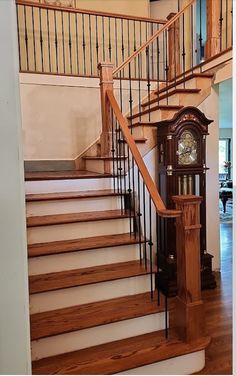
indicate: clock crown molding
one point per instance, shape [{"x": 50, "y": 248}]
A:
[{"x": 187, "y": 114}]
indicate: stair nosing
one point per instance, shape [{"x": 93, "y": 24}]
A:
[
  {"x": 160, "y": 107},
  {"x": 131, "y": 241},
  {"x": 85, "y": 271},
  {"x": 93, "y": 308},
  {"x": 63, "y": 219},
  {"x": 52, "y": 196},
  {"x": 117, "y": 355},
  {"x": 169, "y": 94}
]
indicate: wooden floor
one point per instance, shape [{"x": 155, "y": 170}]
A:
[{"x": 218, "y": 307}]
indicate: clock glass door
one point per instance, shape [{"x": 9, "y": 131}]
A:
[{"x": 187, "y": 148}]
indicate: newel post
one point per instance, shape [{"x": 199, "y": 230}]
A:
[
  {"x": 189, "y": 319},
  {"x": 106, "y": 84},
  {"x": 212, "y": 46},
  {"x": 173, "y": 48}
]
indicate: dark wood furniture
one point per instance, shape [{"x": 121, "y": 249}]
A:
[
  {"x": 226, "y": 193},
  {"x": 182, "y": 171}
]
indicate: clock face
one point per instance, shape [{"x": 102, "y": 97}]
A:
[{"x": 187, "y": 149}]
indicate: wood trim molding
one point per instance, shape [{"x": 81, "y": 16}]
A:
[
  {"x": 151, "y": 187},
  {"x": 88, "y": 11}
]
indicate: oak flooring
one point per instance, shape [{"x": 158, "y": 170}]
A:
[{"x": 218, "y": 308}]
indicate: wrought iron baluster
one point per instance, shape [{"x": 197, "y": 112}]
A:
[
  {"x": 144, "y": 225},
  {"x": 18, "y": 35},
  {"x": 183, "y": 50},
  {"x": 109, "y": 39},
  {"x": 33, "y": 34},
  {"x": 56, "y": 41},
  {"x": 139, "y": 214},
  {"x": 150, "y": 243},
  {"x": 84, "y": 45},
  {"x": 90, "y": 45},
  {"x": 41, "y": 39},
  {"x": 97, "y": 45},
  {"x": 69, "y": 42},
  {"x": 103, "y": 39},
  {"x": 26, "y": 40},
  {"x": 49, "y": 43},
  {"x": 77, "y": 43},
  {"x": 63, "y": 43},
  {"x": 221, "y": 24}
]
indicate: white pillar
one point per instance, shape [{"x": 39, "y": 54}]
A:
[{"x": 14, "y": 305}]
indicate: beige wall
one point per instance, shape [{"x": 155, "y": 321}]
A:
[
  {"x": 131, "y": 7},
  {"x": 62, "y": 115}
]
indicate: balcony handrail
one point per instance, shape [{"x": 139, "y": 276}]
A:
[
  {"x": 89, "y": 12},
  {"x": 153, "y": 37}
]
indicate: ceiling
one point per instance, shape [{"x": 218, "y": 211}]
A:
[{"x": 226, "y": 106}]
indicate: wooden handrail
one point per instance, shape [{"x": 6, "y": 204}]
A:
[
  {"x": 151, "y": 187},
  {"x": 152, "y": 38},
  {"x": 87, "y": 11}
]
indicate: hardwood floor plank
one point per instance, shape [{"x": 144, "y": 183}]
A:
[{"x": 70, "y": 195}]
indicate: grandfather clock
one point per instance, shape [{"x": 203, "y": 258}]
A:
[{"x": 181, "y": 171}]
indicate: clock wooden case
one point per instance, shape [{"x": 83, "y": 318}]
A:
[{"x": 181, "y": 171}]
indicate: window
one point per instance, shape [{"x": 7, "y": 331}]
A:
[{"x": 224, "y": 156}]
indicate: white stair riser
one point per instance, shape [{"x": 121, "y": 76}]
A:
[
  {"x": 42, "y": 234},
  {"x": 98, "y": 166},
  {"x": 83, "y": 259},
  {"x": 68, "y": 185},
  {"x": 50, "y": 300},
  {"x": 73, "y": 205},
  {"x": 180, "y": 365},
  {"x": 96, "y": 336}
]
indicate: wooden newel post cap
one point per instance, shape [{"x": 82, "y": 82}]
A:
[
  {"x": 187, "y": 199},
  {"x": 171, "y": 15},
  {"x": 103, "y": 64}
]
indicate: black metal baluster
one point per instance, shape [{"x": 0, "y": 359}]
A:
[
  {"x": 97, "y": 45},
  {"x": 33, "y": 33},
  {"x": 63, "y": 43},
  {"x": 139, "y": 214},
  {"x": 84, "y": 45},
  {"x": 139, "y": 86},
  {"x": 175, "y": 62},
  {"x": 232, "y": 22},
  {"x": 103, "y": 39},
  {"x": 49, "y": 43},
  {"x": 200, "y": 35},
  {"x": 56, "y": 41},
  {"x": 41, "y": 39},
  {"x": 129, "y": 191},
  {"x": 178, "y": 6},
  {"x": 90, "y": 45},
  {"x": 191, "y": 21},
  {"x": 128, "y": 31},
  {"x": 119, "y": 161},
  {"x": 122, "y": 44},
  {"x": 109, "y": 38},
  {"x": 163, "y": 54},
  {"x": 148, "y": 81},
  {"x": 150, "y": 243},
  {"x": 134, "y": 48},
  {"x": 116, "y": 156},
  {"x": 113, "y": 150},
  {"x": 157, "y": 257},
  {"x": 140, "y": 44},
  {"x": 152, "y": 56},
  {"x": 70, "y": 43},
  {"x": 26, "y": 41},
  {"x": 133, "y": 197},
  {"x": 158, "y": 71},
  {"x": 130, "y": 99},
  {"x": 226, "y": 25},
  {"x": 77, "y": 43},
  {"x": 18, "y": 34},
  {"x": 116, "y": 42},
  {"x": 183, "y": 51},
  {"x": 167, "y": 66},
  {"x": 144, "y": 225},
  {"x": 221, "y": 24}
]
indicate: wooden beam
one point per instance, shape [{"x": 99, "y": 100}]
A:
[
  {"x": 173, "y": 48},
  {"x": 212, "y": 46},
  {"x": 189, "y": 316}
]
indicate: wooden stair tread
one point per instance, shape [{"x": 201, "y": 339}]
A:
[
  {"x": 71, "y": 195},
  {"x": 61, "y": 175},
  {"x": 170, "y": 93},
  {"x": 182, "y": 80},
  {"x": 85, "y": 316},
  {"x": 96, "y": 242},
  {"x": 144, "y": 123},
  {"x": 55, "y": 219},
  {"x": 85, "y": 276},
  {"x": 119, "y": 355},
  {"x": 159, "y": 107}
]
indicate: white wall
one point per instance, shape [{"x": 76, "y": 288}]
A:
[
  {"x": 14, "y": 306},
  {"x": 61, "y": 116},
  {"x": 210, "y": 108}
]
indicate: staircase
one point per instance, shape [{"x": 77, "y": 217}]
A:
[
  {"x": 90, "y": 303},
  {"x": 94, "y": 303}
]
